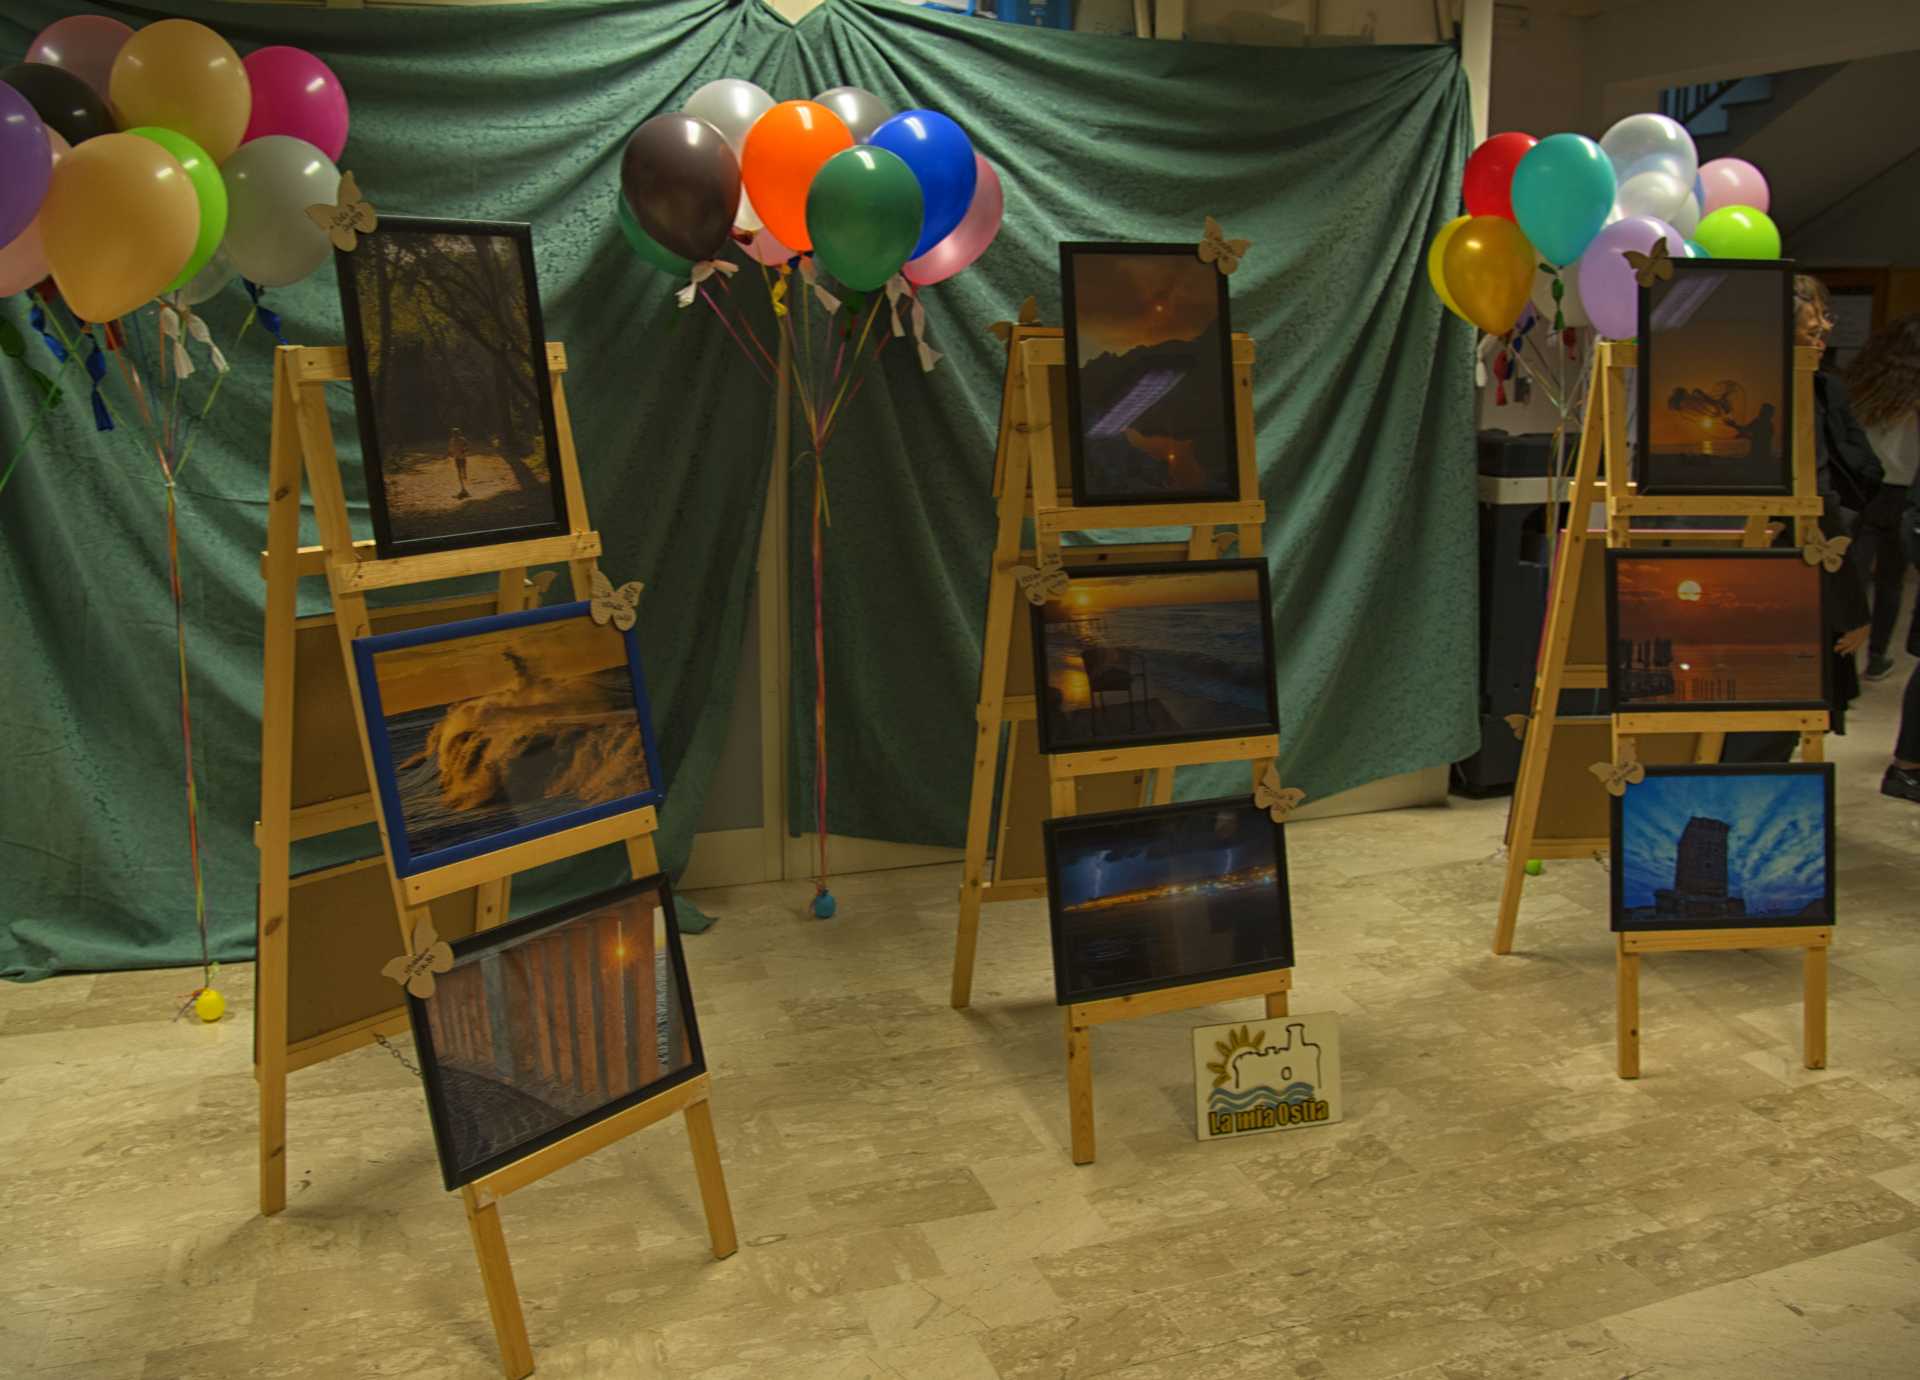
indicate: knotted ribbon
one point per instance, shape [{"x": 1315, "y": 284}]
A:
[
  {"x": 702, "y": 271},
  {"x": 897, "y": 288}
]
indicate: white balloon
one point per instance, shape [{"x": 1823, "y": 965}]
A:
[
  {"x": 731, "y": 106},
  {"x": 1573, "y": 313},
  {"x": 1687, "y": 219},
  {"x": 1651, "y": 143},
  {"x": 1653, "y": 193},
  {"x": 746, "y": 218},
  {"x": 209, "y": 281}
]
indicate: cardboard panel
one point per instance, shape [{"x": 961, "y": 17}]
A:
[
  {"x": 1573, "y": 804},
  {"x": 1021, "y": 854}
]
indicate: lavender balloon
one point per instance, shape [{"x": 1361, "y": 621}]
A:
[
  {"x": 26, "y": 163},
  {"x": 1608, "y": 289}
]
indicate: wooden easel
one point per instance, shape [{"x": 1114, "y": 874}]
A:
[
  {"x": 303, "y": 440},
  {"x": 1028, "y": 462},
  {"x": 1601, "y": 470}
]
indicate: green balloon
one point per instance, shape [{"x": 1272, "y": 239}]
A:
[
  {"x": 1738, "y": 232},
  {"x": 863, "y": 212},
  {"x": 646, "y": 246},
  {"x": 208, "y": 187}
]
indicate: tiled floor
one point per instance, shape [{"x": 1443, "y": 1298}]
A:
[{"x": 1497, "y": 1203}]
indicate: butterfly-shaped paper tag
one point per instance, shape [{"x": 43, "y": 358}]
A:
[
  {"x": 1617, "y": 776},
  {"x": 1047, "y": 582},
  {"x": 617, "y": 606},
  {"x": 431, "y": 954},
  {"x": 1223, "y": 253},
  {"x": 1518, "y": 723},
  {"x": 538, "y": 584},
  {"x": 1651, "y": 265},
  {"x": 1277, "y": 800},
  {"x": 1830, "y": 552},
  {"x": 1029, "y": 316},
  {"x": 349, "y": 219}
]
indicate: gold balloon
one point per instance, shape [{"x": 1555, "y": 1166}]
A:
[
  {"x": 1436, "y": 263},
  {"x": 183, "y": 76},
  {"x": 119, "y": 221},
  {"x": 1489, "y": 270}
]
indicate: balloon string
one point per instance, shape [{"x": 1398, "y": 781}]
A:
[
  {"x": 834, "y": 411},
  {"x": 819, "y": 675},
  {"x": 48, "y": 401},
  {"x": 859, "y": 382},
  {"x": 746, "y": 324},
  {"x": 186, "y": 733},
  {"x": 707, "y": 297},
  {"x": 193, "y": 430}
]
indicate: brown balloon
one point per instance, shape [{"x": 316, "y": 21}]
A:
[
  {"x": 682, "y": 182},
  {"x": 63, "y": 102}
]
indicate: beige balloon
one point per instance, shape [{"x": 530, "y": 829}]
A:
[
  {"x": 183, "y": 76},
  {"x": 119, "y": 222}
]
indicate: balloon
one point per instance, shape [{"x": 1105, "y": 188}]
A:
[
  {"x": 210, "y": 281},
  {"x": 1487, "y": 185},
  {"x": 1562, "y": 192},
  {"x": 270, "y": 183},
  {"x": 1573, "y": 312},
  {"x": 1687, "y": 218},
  {"x": 26, "y": 163},
  {"x": 764, "y": 248},
  {"x": 970, "y": 237},
  {"x": 1723, "y": 182},
  {"x": 83, "y": 44},
  {"x": 297, "y": 94},
  {"x": 859, "y": 110},
  {"x": 1608, "y": 287},
  {"x": 23, "y": 259},
  {"x": 731, "y": 106},
  {"x": 61, "y": 100},
  {"x": 1488, "y": 267},
  {"x": 942, "y": 160},
  {"x": 1652, "y": 193},
  {"x": 683, "y": 184},
  {"x": 1738, "y": 232},
  {"x": 183, "y": 76},
  {"x": 784, "y": 149},
  {"x": 1694, "y": 251},
  {"x": 119, "y": 221},
  {"x": 864, "y": 215},
  {"x": 1437, "y": 264},
  {"x": 208, "y": 189},
  {"x": 1651, "y": 143},
  {"x": 645, "y": 245}
]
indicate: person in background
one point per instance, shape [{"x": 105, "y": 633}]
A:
[
  {"x": 1902, "y": 780},
  {"x": 457, "y": 452},
  {"x": 1884, "y": 385}
]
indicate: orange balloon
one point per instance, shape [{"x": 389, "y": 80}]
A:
[
  {"x": 784, "y": 149},
  {"x": 1489, "y": 271},
  {"x": 183, "y": 76},
  {"x": 119, "y": 222}
]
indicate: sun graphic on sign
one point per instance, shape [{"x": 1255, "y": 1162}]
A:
[
  {"x": 1236, "y": 1041},
  {"x": 1689, "y": 591}
]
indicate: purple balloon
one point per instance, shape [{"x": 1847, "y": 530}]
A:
[
  {"x": 26, "y": 163},
  {"x": 1608, "y": 288}
]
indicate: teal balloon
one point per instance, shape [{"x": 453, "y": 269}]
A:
[
  {"x": 864, "y": 212},
  {"x": 1562, "y": 192},
  {"x": 1694, "y": 251},
  {"x": 646, "y": 246}
]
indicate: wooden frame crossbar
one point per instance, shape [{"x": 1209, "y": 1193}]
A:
[{"x": 1602, "y": 472}]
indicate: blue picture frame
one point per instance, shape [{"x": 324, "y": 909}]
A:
[{"x": 406, "y": 862}]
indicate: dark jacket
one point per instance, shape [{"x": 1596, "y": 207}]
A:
[
  {"x": 1846, "y": 459},
  {"x": 1910, "y": 536}
]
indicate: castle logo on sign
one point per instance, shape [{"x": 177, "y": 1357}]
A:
[{"x": 1279, "y": 1075}]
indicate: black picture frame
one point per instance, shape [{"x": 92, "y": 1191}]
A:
[
  {"x": 1222, "y": 480},
  {"x": 1668, "y": 310},
  {"x": 1051, "y": 739},
  {"x": 1065, "y": 834},
  {"x": 1637, "y": 797},
  {"x": 506, "y": 516},
  {"x": 455, "y": 1169},
  {"x": 1791, "y": 563}
]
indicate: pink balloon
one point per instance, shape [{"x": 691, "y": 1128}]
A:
[
  {"x": 764, "y": 248},
  {"x": 1732, "y": 182},
  {"x": 296, "y": 94},
  {"x": 23, "y": 261},
  {"x": 83, "y": 44},
  {"x": 1609, "y": 289},
  {"x": 969, "y": 239}
]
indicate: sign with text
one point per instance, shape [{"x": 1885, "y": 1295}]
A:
[{"x": 1279, "y": 1074}]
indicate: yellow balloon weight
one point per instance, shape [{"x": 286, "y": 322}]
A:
[
  {"x": 1488, "y": 267},
  {"x": 183, "y": 76},
  {"x": 119, "y": 222},
  {"x": 1436, "y": 260}
]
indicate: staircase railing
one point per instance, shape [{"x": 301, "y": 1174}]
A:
[{"x": 1687, "y": 103}]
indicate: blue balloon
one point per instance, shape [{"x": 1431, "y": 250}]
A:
[
  {"x": 1562, "y": 192},
  {"x": 941, "y": 157}
]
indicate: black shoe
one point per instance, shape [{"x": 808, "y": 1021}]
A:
[
  {"x": 1902, "y": 783},
  {"x": 1878, "y": 668}
]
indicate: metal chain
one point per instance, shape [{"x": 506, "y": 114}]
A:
[{"x": 390, "y": 1047}]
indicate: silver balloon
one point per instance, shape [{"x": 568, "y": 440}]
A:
[
  {"x": 209, "y": 281},
  {"x": 1651, "y": 143},
  {"x": 1653, "y": 193},
  {"x": 1687, "y": 219},
  {"x": 731, "y": 106},
  {"x": 861, "y": 110},
  {"x": 270, "y": 183}
]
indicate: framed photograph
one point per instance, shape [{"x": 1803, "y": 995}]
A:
[
  {"x": 450, "y": 381},
  {"x": 1716, "y": 630},
  {"x": 493, "y": 731},
  {"x": 1715, "y": 379},
  {"x": 1724, "y": 847},
  {"x": 1149, "y": 375},
  {"x": 553, "y": 1022},
  {"x": 1165, "y": 653},
  {"x": 1166, "y": 896}
]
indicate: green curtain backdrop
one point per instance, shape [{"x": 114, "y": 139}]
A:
[{"x": 1339, "y": 164}]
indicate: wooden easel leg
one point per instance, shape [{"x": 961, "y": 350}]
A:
[
  {"x": 496, "y": 1275},
  {"x": 1628, "y": 1017},
  {"x": 713, "y": 1182},
  {"x": 1276, "y": 1005},
  {"x": 1163, "y": 784},
  {"x": 1815, "y": 1000},
  {"x": 1080, "y": 1089}
]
